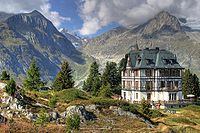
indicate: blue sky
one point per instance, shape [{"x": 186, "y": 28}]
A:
[
  {"x": 99, "y": 16},
  {"x": 70, "y": 8}
]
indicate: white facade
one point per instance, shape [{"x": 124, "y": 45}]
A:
[
  {"x": 152, "y": 74},
  {"x": 134, "y": 87}
]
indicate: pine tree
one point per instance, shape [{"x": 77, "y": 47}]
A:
[
  {"x": 112, "y": 76},
  {"x": 32, "y": 80},
  {"x": 64, "y": 79},
  {"x": 5, "y": 76},
  {"x": 105, "y": 91},
  {"x": 195, "y": 85},
  {"x": 11, "y": 87},
  {"x": 93, "y": 82},
  {"x": 190, "y": 84}
]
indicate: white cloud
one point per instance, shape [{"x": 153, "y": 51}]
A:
[
  {"x": 21, "y": 6},
  {"x": 99, "y": 13}
]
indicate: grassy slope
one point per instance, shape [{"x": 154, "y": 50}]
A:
[{"x": 185, "y": 120}]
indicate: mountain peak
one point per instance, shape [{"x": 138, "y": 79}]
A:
[
  {"x": 162, "y": 23},
  {"x": 163, "y": 13},
  {"x": 35, "y": 12}
]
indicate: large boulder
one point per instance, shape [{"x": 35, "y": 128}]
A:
[
  {"x": 2, "y": 119},
  {"x": 120, "y": 112},
  {"x": 81, "y": 111},
  {"x": 32, "y": 116},
  {"x": 53, "y": 116}
]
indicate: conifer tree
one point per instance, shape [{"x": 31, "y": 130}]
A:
[
  {"x": 190, "y": 84},
  {"x": 32, "y": 80},
  {"x": 112, "y": 76},
  {"x": 93, "y": 82},
  {"x": 11, "y": 87},
  {"x": 64, "y": 79},
  {"x": 5, "y": 76},
  {"x": 105, "y": 91}
]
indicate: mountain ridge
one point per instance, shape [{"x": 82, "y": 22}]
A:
[
  {"x": 184, "y": 43},
  {"x": 27, "y": 35}
]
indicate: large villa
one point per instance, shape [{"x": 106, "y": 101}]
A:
[{"x": 152, "y": 74}]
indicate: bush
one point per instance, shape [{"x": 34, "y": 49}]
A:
[
  {"x": 73, "y": 122},
  {"x": 5, "y": 76},
  {"x": 107, "y": 102},
  {"x": 183, "y": 120},
  {"x": 42, "y": 119},
  {"x": 145, "y": 107},
  {"x": 105, "y": 91},
  {"x": 52, "y": 102},
  {"x": 69, "y": 95},
  {"x": 132, "y": 108},
  {"x": 155, "y": 113},
  {"x": 11, "y": 87}
]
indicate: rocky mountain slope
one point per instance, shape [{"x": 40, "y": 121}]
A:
[
  {"x": 31, "y": 35},
  {"x": 164, "y": 31},
  {"x": 75, "y": 39}
]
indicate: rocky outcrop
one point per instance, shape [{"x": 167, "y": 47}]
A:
[
  {"x": 81, "y": 111},
  {"x": 2, "y": 119},
  {"x": 120, "y": 112}
]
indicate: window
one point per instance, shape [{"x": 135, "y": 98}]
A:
[
  {"x": 169, "y": 84},
  {"x": 136, "y": 85},
  {"x": 174, "y": 96},
  {"x": 129, "y": 84},
  {"x": 124, "y": 95},
  {"x": 136, "y": 73},
  {"x": 170, "y": 96},
  {"x": 136, "y": 96},
  {"x": 123, "y": 84},
  {"x": 148, "y": 72},
  {"x": 128, "y": 73},
  {"x": 177, "y": 73},
  {"x": 149, "y": 85},
  {"x": 176, "y": 84},
  {"x": 162, "y": 84}
]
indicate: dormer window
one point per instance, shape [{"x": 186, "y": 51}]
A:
[{"x": 139, "y": 59}]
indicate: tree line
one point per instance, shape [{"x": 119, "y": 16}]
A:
[
  {"x": 105, "y": 84},
  {"x": 97, "y": 84},
  {"x": 190, "y": 84}
]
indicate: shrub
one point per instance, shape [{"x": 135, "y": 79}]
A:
[
  {"x": 105, "y": 91},
  {"x": 107, "y": 102},
  {"x": 52, "y": 102},
  {"x": 145, "y": 107},
  {"x": 42, "y": 119},
  {"x": 69, "y": 95},
  {"x": 155, "y": 113},
  {"x": 5, "y": 76},
  {"x": 11, "y": 87},
  {"x": 132, "y": 108},
  {"x": 183, "y": 120},
  {"x": 73, "y": 122}
]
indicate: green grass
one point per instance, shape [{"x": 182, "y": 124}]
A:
[
  {"x": 69, "y": 95},
  {"x": 183, "y": 120},
  {"x": 194, "y": 108}
]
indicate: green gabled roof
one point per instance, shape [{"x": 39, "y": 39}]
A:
[{"x": 153, "y": 58}]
